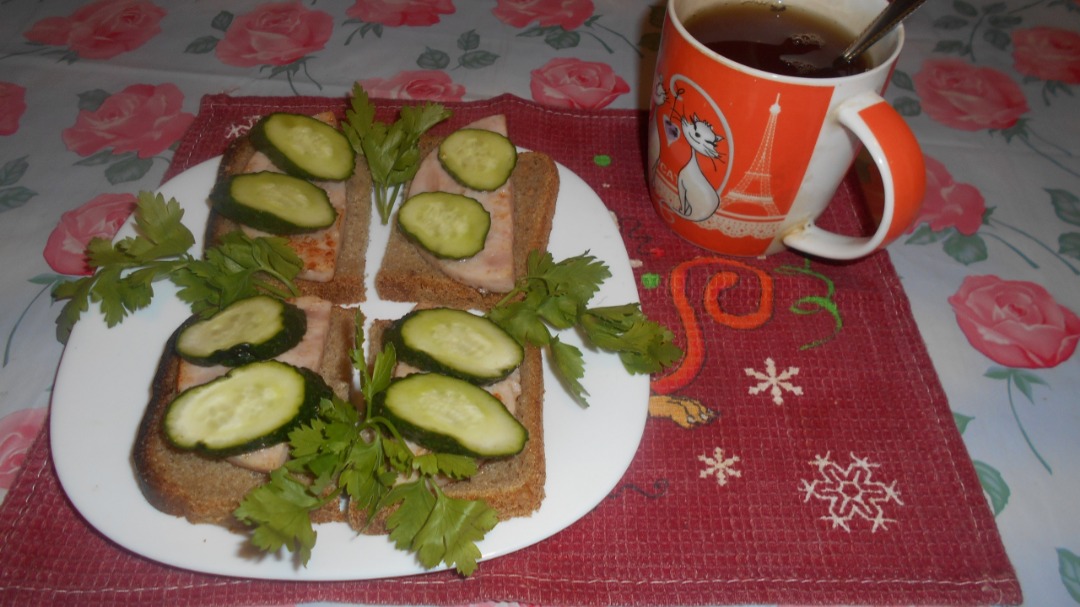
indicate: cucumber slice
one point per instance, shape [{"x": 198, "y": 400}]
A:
[
  {"x": 456, "y": 343},
  {"x": 478, "y": 159},
  {"x": 304, "y": 146},
  {"x": 249, "y": 330},
  {"x": 449, "y": 226},
  {"x": 275, "y": 203},
  {"x": 250, "y": 407},
  {"x": 449, "y": 415}
]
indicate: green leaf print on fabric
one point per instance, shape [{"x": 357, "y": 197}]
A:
[
  {"x": 202, "y": 45},
  {"x": 222, "y": 21},
  {"x": 1069, "y": 244},
  {"x": 1066, "y": 205},
  {"x": 363, "y": 28},
  {"x": 11, "y": 195},
  {"x": 1024, "y": 381},
  {"x": 1069, "y": 567},
  {"x": 962, "y": 421},
  {"x": 471, "y": 57},
  {"x": 966, "y": 249},
  {"x": 13, "y": 171},
  {"x": 994, "y": 485},
  {"x": 129, "y": 167},
  {"x": 432, "y": 59},
  {"x": 91, "y": 101}
]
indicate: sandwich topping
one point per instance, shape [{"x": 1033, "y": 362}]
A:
[
  {"x": 307, "y": 354},
  {"x": 492, "y": 269},
  {"x": 318, "y": 249}
]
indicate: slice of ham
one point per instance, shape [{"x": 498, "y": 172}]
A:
[
  {"x": 308, "y": 354},
  {"x": 492, "y": 269}
]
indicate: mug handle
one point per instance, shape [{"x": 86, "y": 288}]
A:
[{"x": 893, "y": 148}]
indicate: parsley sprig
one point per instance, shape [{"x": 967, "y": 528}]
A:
[
  {"x": 124, "y": 271},
  {"x": 392, "y": 150},
  {"x": 556, "y": 295},
  {"x": 363, "y": 457}
]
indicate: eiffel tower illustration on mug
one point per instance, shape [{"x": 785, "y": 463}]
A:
[{"x": 748, "y": 209}]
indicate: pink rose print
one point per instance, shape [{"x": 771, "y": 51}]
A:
[
  {"x": 949, "y": 204},
  {"x": 12, "y": 106},
  {"x": 962, "y": 96},
  {"x": 65, "y": 250},
  {"x": 415, "y": 84},
  {"x": 17, "y": 432},
  {"x": 568, "y": 14},
  {"x": 573, "y": 83},
  {"x": 274, "y": 34},
  {"x": 1048, "y": 53},
  {"x": 142, "y": 118},
  {"x": 396, "y": 13},
  {"x": 101, "y": 30},
  {"x": 1015, "y": 323}
]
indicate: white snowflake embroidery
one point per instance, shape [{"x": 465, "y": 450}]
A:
[
  {"x": 775, "y": 383},
  {"x": 851, "y": 492},
  {"x": 719, "y": 467}
]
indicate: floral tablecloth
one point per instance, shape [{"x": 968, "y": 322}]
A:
[{"x": 95, "y": 96}]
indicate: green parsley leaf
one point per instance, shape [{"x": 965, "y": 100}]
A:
[
  {"x": 451, "y": 533},
  {"x": 240, "y": 266},
  {"x": 125, "y": 269},
  {"x": 438, "y": 528},
  {"x": 280, "y": 513},
  {"x": 569, "y": 365},
  {"x": 415, "y": 502},
  {"x": 391, "y": 150},
  {"x": 522, "y": 321},
  {"x": 643, "y": 346},
  {"x": 364, "y": 479},
  {"x": 556, "y": 295}
]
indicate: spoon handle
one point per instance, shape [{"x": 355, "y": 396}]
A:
[{"x": 894, "y": 13}]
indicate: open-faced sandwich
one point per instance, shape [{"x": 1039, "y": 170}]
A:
[
  {"x": 297, "y": 176},
  {"x": 473, "y": 212},
  {"x": 462, "y": 385},
  {"x": 228, "y": 391}
]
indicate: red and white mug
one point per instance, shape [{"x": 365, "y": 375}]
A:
[{"x": 742, "y": 161}]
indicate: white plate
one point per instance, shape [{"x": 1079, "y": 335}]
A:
[{"x": 103, "y": 383}]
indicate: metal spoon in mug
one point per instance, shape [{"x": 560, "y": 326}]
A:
[{"x": 894, "y": 13}]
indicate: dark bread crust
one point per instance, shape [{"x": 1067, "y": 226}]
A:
[
  {"x": 347, "y": 285},
  {"x": 407, "y": 274},
  {"x": 206, "y": 490},
  {"x": 513, "y": 487}
]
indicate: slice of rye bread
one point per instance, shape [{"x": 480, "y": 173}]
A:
[
  {"x": 514, "y": 487},
  {"x": 347, "y": 285},
  {"x": 208, "y": 490},
  {"x": 408, "y": 274}
]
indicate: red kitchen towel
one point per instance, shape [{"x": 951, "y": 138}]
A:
[{"x": 801, "y": 452}]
